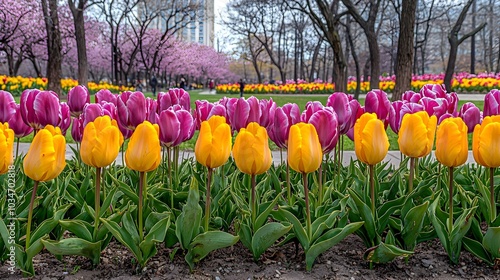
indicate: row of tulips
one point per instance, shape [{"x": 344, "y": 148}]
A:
[
  {"x": 462, "y": 82},
  {"x": 320, "y": 204},
  {"x": 16, "y": 85}
]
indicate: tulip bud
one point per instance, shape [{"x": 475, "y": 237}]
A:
[
  {"x": 46, "y": 157},
  {"x": 471, "y": 115},
  {"x": 144, "y": 151},
  {"x": 452, "y": 142},
  {"x": 131, "y": 107},
  {"x": 6, "y": 147},
  {"x": 242, "y": 111},
  {"x": 101, "y": 142},
  {"x": 377, "y": 102},
  {"x": 492, "y": 103},
  {"x": 213, "y": 146},
  {"x": 17, "y": 124},
  {"x": 371, "y": 143},
  {"x": 416, "y": 136},
  {"x": 174, "y": 96},
  {"x": 65, "y": 118},
  {"x": 7, "y": 106},
  {"x": 176, "y": 126},
  {"x": 104, "y": 95},
  {"x": 251, "y": 150},
  {"x": 486, "y": 142},
  {"x": 340, "y": 103},
  {"x": 433, "y": 91},
  {"x": 326, "y": 125},
  {"x": 304, "y": 148},
  {"x": 77, "y": 98},
  {"x": 77, "y": 129},
  {"x": 284, "y": 118},
  {"x": 40, "y": 108}
]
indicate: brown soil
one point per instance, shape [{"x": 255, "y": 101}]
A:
[{"x": 343, "y": 261}]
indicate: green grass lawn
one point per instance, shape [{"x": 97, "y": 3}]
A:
[{"x": 280, "y": 100}]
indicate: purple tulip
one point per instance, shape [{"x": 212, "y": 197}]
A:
[
  {"x": 204, "y": 110},
  {"x": 325, "y": 122},
  {"x": 471, "y": 115},
  {"x": 444, "y": 116},
  {"x": 172, "y": 97},
  {"x": 7, "y": 106},
  {"x": 93, "y": 110},
  {"x": 411, "y": 96},
  {"x": 109, "y": 109},
  {"x": 176, "y": 126},
  {"x": 267, "y": 110},
  {"x": 452, "y": 99},
  {"x": 65, "y": 118},
  {"x": 17, "y": 124},
  {"x": 131, "y": 109},
  {"x": 357, "y": 112},
  {"x": 437, "y": 107},
  {"x": 241, "y": 112},
  {"x": 377, "y": 102},
  {"x": 40, "y": 108},
  {"x": 127, "y": 133},
  {"x": 77, "y": 98},
  {"x": 151, "y": 112},
  {"x": 104, "y": 95},
  {"x": 311, "y": 108},
  {"x": 77, "y": 129},
  {"x": 284, "y": 118},
  {"x": 433, "y": 91},
  {"x": 340, "y": 104},
  {"x": 410, "y": 108},
  {"x": 492, "y": 103},
  {"x": 395, "y": 116}
]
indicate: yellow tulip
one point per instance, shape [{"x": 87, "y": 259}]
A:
[
  {"x": 370, "y": 139},
  {"x": 144, "y": 151},
  {"x": 304, "y": 148},
  {"x": 213, "y": 146},
  {"x": 6, "y": 146},
  {"x": 486, "y": 142},
  {"x": 452, "y": 142},
  {"x": 251, "y": 150},
  {"x": 46, "y": 157},
  {"x": 101, "y": 142},
  {"x": 416, "y": 135}
]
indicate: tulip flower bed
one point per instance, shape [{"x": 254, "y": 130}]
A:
[
  {"x": 230, "y": 201},
  {"x": 462, "y": 82}
]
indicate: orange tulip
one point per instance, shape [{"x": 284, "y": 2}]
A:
[
  {"x": 6, "y": 147},
  {"x": 213, "y": 146},
  {"x": 251, "y": 150},
  {"x": 416, "y": 135},
  {"x": 304, "y": 149},
  {"x": 370, "y": 139},
  {"x": 486, "y": 142},
  {"x": 452, "y": 142}
]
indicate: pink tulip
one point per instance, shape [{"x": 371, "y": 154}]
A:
[
  {"x": 104, "y": 95},
  {"x": 93, "y": 110},
  {"x": 17, "y": 124},
  {"x": 311, "y": 108},
  {"x": 204, "y": 110},
  {"x": 433, "y": 91},
  {"x": 395, "y": 116},
  {"x": 65, "y": 118},
  {"x": 131, "y": 107},
  {"x": 151, "y": 106},
  {"x": 172, "y": 97},
  {"x": 284, "y": 118},
  {"x": 241, "y": 112},
  {"x": 77, "y": 98},
  {"x": 444, "y": 116},
  {"x": 357, "y": 112},
  {"x": 325, "y": 122},
  {"x": 437, "y": 107},
  {"x": 7, "y": 106},
  {"x": 340, "y": 104},
  {"x": 267, "y": 110},
  {"x": 40, "y": 108},
  {"x": 176, "y": 126},
  {"x": 471, "y": 115},
  {"x": 77, "y": 129},
  {"x": 411, "y": 96},
  {"x": 492, "y": 103},
  {"x": 377, "y": 102}
]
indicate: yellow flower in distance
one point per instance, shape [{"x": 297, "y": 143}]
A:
[
  {"x": 452, "y": 142},
  {"x": 6, "y": 147},
  {"x": 486, "y": 142},
  {"x": 416, "y": 135},
  {"x": 304, "y": 148},
  {"x": 213, "y": 146},
  {"x": 101, "y": 142},
  {"x": 144, "y": 151},
  {"x": 371, "y": 143},
  {"x": 46, "y": 157},
  {"x": 251, "y": 150}
]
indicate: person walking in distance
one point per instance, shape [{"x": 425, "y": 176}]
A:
[
  {"x": 211, "y": 85},
  {"x": 183, "y": 83},
  {"x": 242, "y": 87},
  {"x": 153, "y": 83}
]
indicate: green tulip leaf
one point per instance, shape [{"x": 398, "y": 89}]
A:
[
  {"x": 75, "y": 247},
  {"x": 245, "y": 234},
  {"x": 122, "y": 235},
  {"x": 491, "y": 241},
  {"x": 187, "y": 225},
  {"x": 155, "y": 235},
  {"x": 439, "y": 226},
  {"x": 265, "y": 237},
  {"x": 207, "y": 242},
  {"x": 477, "y": 250},
  {"x": 365, "y": 213},
  {"x": 78, "y": 227},
  {"x": 298, "y": 229},
  {"x": 323, "y": 223},
  {"x": 107, "y": 202},
  {"x": 262, "y": 218},
  {"x": 384, "y": 253},
  {"x": 48, "y": 225},
  {"x": 336, "y": 235},
  {"x": 413, "y": 223}
]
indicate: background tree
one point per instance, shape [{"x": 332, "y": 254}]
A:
[{"x": 54, "y": 46}]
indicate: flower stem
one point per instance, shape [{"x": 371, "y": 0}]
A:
[
  {"x": 142, "y": 187},
  {"x": 372, "y": 188},
  {"x": 450, "y": 200},
  {"x": 207, "y": 203},
  {"x": 320, "y": 183},
  {"x": 170, "y": 181},
  {"x": 252, "y": 201},
  {"x": 412, "y": 175},
  {"x": 30, "y": 215},
  {"x": 17, "y": 147},
  {"x": 308, "y": 211},
  {"x": 492, "y": 195},
  {"x": 288, "y": 186},
  {"x": 97, "y": 200}
]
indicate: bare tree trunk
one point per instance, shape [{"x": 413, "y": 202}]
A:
[
  {"x": 356, "y": 60},
  {"x": 405, "y": 49},
  {"x": 314, "y": 61},
  {"x": 81, "y": 45},
  {"x": 473, "y": 41},
  {"x": 54, "y": 68}
]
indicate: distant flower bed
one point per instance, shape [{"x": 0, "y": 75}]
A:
[
  {"x": 16, "y": 85},
  {"x": 462, "y": 82}
]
